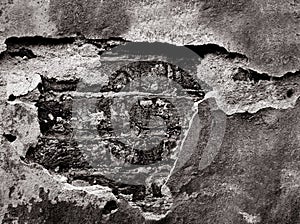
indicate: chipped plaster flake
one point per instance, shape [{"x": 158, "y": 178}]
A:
[
  {"x": 252, "y": 219},
  {"x": 246, "y": 95},
  {"x": 151, "y": 216},
  {"x": 97, "y": 194},
  {"x": 20, "y": 83},
  {"x": 28, "y": 105},
  {"x": 97, "y": 190},
  {"x": 2, "y": 44},
  {"x": 253, "y": 108},
  {"x": 26, "y": 129}
]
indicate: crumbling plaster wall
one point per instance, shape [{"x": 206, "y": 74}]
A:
[{"x": 248, "y": 56}]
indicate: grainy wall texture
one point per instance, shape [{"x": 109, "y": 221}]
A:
[{"x": 163, "y": 111}]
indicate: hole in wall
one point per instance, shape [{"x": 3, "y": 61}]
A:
[{"x": 10, "y": 137}]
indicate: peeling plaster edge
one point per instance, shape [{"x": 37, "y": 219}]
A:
[
  {"x": 220, "y": 47},
  {"x": 257, "y": 107}
]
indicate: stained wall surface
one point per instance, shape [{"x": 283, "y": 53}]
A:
[{"x": 149, "y": 111}]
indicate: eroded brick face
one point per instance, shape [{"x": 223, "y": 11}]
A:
[{"x": 88, "y": 158}]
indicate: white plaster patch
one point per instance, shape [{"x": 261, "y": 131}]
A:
[
  {"x": 250, "y": 218},
  {"x": 20, "y": 83}
]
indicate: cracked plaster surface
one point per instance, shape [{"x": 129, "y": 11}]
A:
[{"x": 254, "y": 176}]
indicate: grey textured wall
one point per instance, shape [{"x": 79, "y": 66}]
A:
[{"x": 229, "y": 72}]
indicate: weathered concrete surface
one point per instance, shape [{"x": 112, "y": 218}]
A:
[
  {"x": 266, "y": 32},
  {"x": 254, "y": 91},
  {"x": 253, "y": 178}
]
